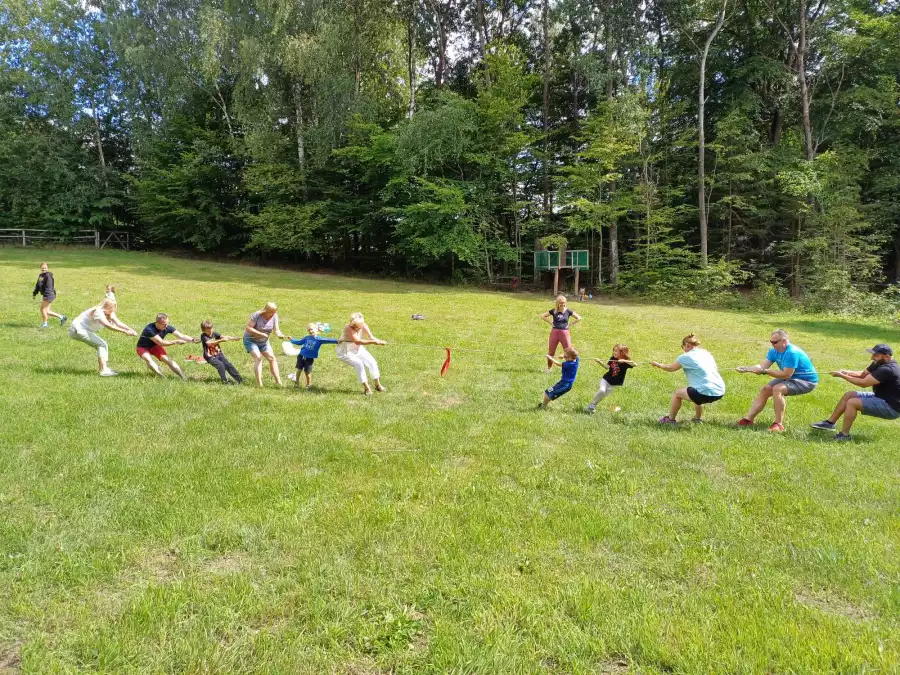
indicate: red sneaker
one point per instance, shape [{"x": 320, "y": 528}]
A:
[
  {"x": 744, "y": 422},
  {"x": 777, "y": 427}
]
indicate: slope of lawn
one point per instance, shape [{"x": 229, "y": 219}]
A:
[{"x": 447, "y": 525}]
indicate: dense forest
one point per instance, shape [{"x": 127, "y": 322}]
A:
[{"x": 691, "y": 145}]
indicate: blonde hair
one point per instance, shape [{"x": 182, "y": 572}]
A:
[
  {"x": 45, "y": 265},
  {"x": 781, "y": 333},
  {"x": 357, "y": 315},
  {"x": 312, "y": 328},
  {"x": 108, "y": 303},
  {"x": 571, "y": 351},
  {"x": 561, "y": 299},
  {"x": 622, "y": 349},
  {"x": 206, "y": 323},
  {"x": 357, "y": 321},
  {"x": 691, "y": 340},
  {"x": 270, "y": 307}
]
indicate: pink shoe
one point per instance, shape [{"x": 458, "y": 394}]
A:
[
  {"x": 667, "y": 420},
  {"x": 777, "y": 427},
  {"x": 744, "y": 422}
]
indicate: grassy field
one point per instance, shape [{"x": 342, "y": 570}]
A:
[{"x": 447, "y": 525}]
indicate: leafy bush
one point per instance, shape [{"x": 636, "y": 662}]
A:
[{"x": 673, "y": 275}]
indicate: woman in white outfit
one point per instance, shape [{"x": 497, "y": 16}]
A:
[
  {"x": 89, "y": 322},
  {"x": 353, "y": 352}
]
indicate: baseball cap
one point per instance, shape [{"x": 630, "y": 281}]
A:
[{"x": 881, "y": 349}]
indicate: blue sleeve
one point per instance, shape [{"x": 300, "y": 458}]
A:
[
  {"x": 327, "y": 341},
  {"x": 772, "y": 356},
  {"x": 300, "y": 342},
  {"x": 791, "y": 360}
]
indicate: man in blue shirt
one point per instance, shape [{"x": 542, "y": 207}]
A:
[
  {"x": 309, "y": 352},
  {"x": 794, "y": 376}
]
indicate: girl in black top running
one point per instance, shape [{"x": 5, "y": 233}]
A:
[{"x": 47, "y": 290}]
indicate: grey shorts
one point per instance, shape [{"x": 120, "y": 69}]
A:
[
  {"x": 876, "y": 407},
  {"x": 795, "y": 387}
]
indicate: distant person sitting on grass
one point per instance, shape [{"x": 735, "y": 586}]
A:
[
  {"x": 352, "y": 351},
  {"x": 152, "y": 343},
  {"x": 256, "y": 340},
  {"x": 309, "y": 352},
  {"x": 883, "y": 375},
  {"x": 212, "y": 352},
  {"x": 705, "y": 384},
  {"x": 46, "y": 289},
  {"x": 86, "y": 325},
  {"x": 795, "y": 376},
  {"x": 569, "y": 366},
  {"x": 617, "y": 365}
]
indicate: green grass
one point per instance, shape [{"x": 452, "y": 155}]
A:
[{"x": 163, "y": 526}]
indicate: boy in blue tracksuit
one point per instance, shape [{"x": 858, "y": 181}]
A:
[
  {"x": 309, "y": 352},
  {"x": 569, "y": 371}
]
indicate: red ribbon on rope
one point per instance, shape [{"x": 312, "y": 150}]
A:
[{"x": 446, "y": 366}]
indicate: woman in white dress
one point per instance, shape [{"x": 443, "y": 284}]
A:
[{"x": 352, "y": 351}]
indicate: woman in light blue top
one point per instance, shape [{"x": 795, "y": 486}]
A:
[{"x": 705, "y": 385}]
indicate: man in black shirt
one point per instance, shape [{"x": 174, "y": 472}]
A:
[
  {"x": 883, "y": 375},
  {"x": 152, "y": 343}
]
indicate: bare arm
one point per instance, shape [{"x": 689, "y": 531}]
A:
[
  {"x": 555, "y": 361},
  {"x": 858, "y": 379},
  {"x": 546, "y": 317},
  {"x": 577, "y": 318},
  {"x": 184, "y": 338},
  {"x": 116, "y": 325},
  {"x": 668, "y": 367},
  {"x": 758, "y": 370}
]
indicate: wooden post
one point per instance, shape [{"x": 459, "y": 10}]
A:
[
  {"x": 127, "y": 239},
  {"x": 555, "y": 282},
  {"x": 577, "y": 287},
  {"x": 97, "y": 239},
  {"x": 23, "y": 239}
]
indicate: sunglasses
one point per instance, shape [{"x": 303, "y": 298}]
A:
[{"x": 774, "y": 342}]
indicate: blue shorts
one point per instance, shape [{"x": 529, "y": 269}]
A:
[
  {"x": 876, "y": 407},
  {"x": 250, "y": 345},
  {"x": 558, "y": 390}
]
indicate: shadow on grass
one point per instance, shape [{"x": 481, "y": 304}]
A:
[
  {"x": 866, "y": 334},
  {"x": 71, "y": 370}
]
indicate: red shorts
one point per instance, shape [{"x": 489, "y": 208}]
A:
[{"x": 156, "y": 350}]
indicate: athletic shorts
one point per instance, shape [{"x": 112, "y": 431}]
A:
[
  {"x": 876, "y": 407},
  {"x": 701, "y": 399},
  {"x": 305, "y": 364},
  {"x": 558, "y": 390},
  {"x": 795, "y": 387},
  {"x": 250, "y": 345},
  {"x": 156, "y": 350},
  {"x": 49, "y": 297}
]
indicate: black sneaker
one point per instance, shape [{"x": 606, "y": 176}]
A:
[
  {"x": 840, "y": 436},
  {"x": 824, "y": 425}
]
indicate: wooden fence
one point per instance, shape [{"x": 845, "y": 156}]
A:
[{"x": 99, "y": 239}]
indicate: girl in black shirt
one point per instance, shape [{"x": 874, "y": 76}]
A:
[
  {"x": 47, "y": 290},
  {"x": 560, "y": 317}
]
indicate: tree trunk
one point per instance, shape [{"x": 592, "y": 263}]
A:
[
  {"x": 614, "y": 254},
  {"x": 701, "y": 128},
  {"x": 804, "y": 85},
  {"x": 98, "y": 139},
  {"x": 545, "y": 20},
  {"x": 411, "y": 60},
  {"x": 298, "y": 126}
]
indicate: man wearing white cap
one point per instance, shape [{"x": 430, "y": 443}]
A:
[{"x": 883, "y": 375}]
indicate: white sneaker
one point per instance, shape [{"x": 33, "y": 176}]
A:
[
  {"x": 292, "y": 377},
  {"x": 108, "y": 373}
]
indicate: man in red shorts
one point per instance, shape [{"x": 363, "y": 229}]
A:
[{"x": 153, "y": 343}]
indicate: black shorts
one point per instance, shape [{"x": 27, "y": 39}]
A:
[
  {"x": 701, "y": 399},
  {"x": 49, "y": 297},
  {"x": 305, "y": 364}
]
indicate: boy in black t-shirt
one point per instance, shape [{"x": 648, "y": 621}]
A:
[
  {"x": 213, "y": 355},
  {"x": 618, "y": 364}
]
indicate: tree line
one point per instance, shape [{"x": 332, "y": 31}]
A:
[{"x": 690, "y": 145}]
